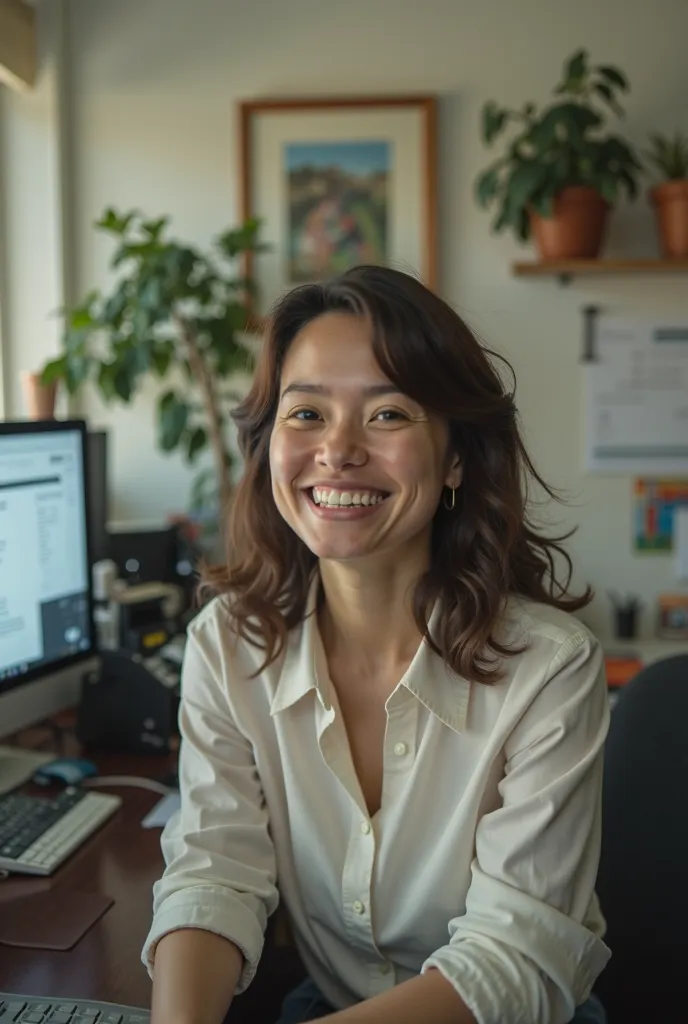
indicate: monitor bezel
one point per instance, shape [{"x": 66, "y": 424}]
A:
[{"x": 71, "y": 660}]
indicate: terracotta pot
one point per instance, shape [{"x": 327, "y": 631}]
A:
[
  {"x": 670, "y": 200},
  {"x": 39, "y": 398},
  {"x": 577, "y": 227}
]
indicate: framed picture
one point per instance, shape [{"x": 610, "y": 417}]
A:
[{"x": 338, "y": 182}]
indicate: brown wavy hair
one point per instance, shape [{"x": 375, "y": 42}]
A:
[{"x": 484, "y": 549}]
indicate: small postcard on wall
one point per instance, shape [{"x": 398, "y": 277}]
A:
[{"x": 654, "y": 513}]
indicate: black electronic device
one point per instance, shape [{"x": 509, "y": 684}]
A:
[
  {"x": 129, "y": 704},
  {"x": 46, "y": 621},
  {"x": 145, "y": 554},
  {"x": 98, "y": 496}
]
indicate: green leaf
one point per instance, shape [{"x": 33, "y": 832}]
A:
[
  {"x": 106, "y": 380},
  {"x": 123, "y": 382},
  {"x": 154, "y": 228},
  {"x": 173, "y": 414},
  {"x": 114, "y": 308},
  {"x": 161, "y": 356},
  {"x": 523, "y": 184},
  {"x": 544, "y": 205},
  {"x": 54, "y": 370},
  {"x": 243, "y": 239},
  {"x": 150, "y": 297},
  {"x": 76, "y": 371},
  {"x": 114, "y": 222},
  {"x": 669, "y": 155},
  {"x": 487, "y": 185},
  {"x": 493, "y": 120},
  {"x": 607, "y": 94},
  {"x": 576, "y": 66},
  {"x": 616, "y": 77},
  {"x": 523, "y": 226},
  {"x": 609, "y": 188},
  {"x": 196, "y": 441}
]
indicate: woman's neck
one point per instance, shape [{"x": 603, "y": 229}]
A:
[{"x": 367, "y": 613}]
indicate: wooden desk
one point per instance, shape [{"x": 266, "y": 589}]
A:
[{"x": 122, "y": 860}]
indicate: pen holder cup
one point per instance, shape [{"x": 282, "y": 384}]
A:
[{"x": 626, "y": 623}]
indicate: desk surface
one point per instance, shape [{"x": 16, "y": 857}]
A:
[{"x": 122, "y": 860}]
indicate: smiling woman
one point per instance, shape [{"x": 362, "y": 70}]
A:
[{"x": 386, "y": 710}]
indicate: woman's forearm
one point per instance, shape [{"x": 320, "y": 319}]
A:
[
  {"x": 428, "y": 997},
  {"x": 195, "y": 975}
]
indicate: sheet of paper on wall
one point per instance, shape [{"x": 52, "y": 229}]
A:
[{"x": 636, "y": 417}]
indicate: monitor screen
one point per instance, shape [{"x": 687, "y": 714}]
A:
[{"x": 45, "y": 594}]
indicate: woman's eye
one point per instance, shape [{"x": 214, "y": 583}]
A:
[
  {"x": 305, "y": 415},
  {"x": 387, "y": 415}
]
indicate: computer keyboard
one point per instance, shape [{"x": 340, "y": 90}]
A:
[
  {"x": 37, "y": 833},
  {"x": 44, "y": 1010}
]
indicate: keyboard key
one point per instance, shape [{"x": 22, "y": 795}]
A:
[
  {"x": 59, "y": 1017},
  {"x": 66, "y": 1008},
  {"x": 111, "y": 1018},
  {"x": 11, "y": 1011},
  {"x": 32, "y": 1018}
]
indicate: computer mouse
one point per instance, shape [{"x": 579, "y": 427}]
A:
[{"x": 68, "y": 770}]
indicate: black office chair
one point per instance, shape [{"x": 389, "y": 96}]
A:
[{"x": 643, "y": 876}]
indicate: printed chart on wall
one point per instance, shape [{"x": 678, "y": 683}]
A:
[{"x": 636, "y": 418}]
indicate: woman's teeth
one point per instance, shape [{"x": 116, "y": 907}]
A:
[{"x": 337, "y": 499}]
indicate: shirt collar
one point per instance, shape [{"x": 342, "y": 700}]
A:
[
  {"x": 305, "y": 666},
  {"x": 444, "y": 693}
]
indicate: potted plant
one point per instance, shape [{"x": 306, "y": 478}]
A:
[
  {"x": 176, "y": 314},
  {"x": 39, "y": 398},
  {"x": 562, "y": 169},
  {"x": 670, "y": 198}
]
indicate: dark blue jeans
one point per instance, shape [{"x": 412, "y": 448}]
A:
[{"x": 306, "y": 1003}]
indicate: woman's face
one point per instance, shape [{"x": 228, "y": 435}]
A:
[{"x": 357, "y": 467}]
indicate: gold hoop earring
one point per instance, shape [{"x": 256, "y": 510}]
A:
[{"x": 450, "y": 505}]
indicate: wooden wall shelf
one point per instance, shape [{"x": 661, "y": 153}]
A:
[{"x": 566, "y": 269}]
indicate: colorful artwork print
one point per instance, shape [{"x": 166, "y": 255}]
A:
[
  {"x": 337, "y": 206},
  {"x": 655, "y": 503}
]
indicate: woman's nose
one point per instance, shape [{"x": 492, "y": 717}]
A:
[{"x": 341, "y": 446}]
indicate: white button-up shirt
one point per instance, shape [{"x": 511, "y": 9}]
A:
[{"x": 481, "y": 861}]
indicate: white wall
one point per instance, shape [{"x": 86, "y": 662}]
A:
[
  {"x": 153, "y": 90},
  {"x": 33, "y": 271}
]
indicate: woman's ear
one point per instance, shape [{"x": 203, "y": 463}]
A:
[{"x": 455, "y": 473}]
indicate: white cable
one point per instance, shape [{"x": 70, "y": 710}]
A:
[{"x": 129, "y": 780}]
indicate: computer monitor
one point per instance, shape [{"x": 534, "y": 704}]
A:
[{"x": 46, "y": 608}]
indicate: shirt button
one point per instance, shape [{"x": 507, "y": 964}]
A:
[
  {"x": 400, "y": 749},
  {"x": 358, "y": 907},
  {"x": 365, "y": 828},
  {"x": 385, "y": 968}
]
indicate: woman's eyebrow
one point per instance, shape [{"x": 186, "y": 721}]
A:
[{"x": 372, "y": 391}]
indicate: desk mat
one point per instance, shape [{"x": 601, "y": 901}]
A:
[{"x": 53, "y": 919}]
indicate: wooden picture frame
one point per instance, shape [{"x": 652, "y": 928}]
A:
[{"x": 337, "y": 182}]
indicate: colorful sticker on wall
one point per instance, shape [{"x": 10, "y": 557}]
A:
[{"x": 655, "y": 502}]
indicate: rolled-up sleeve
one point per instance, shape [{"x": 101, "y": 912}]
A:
[
  {"x": 522, "y": 951},
  {"x": 220, "y": 872}
]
